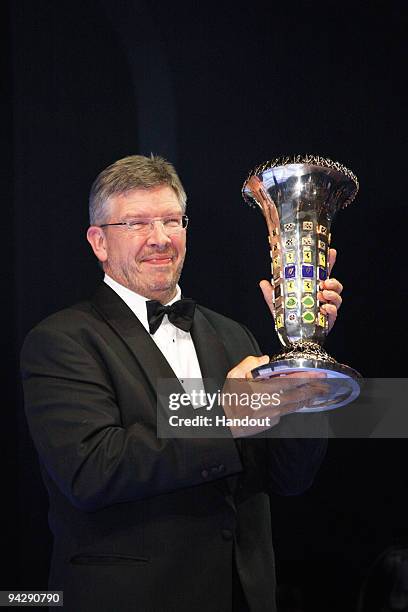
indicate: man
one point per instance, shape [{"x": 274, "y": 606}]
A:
[{"x": 142, "y": 523}]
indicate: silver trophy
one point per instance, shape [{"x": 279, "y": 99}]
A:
[{"x": 299, "y": 197}]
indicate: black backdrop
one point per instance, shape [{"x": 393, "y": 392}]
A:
[{"x": 217, "y": 89}]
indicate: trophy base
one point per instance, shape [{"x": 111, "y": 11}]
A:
[{"x": 344, "y": 382}]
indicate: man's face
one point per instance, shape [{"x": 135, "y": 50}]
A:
[{"x": 151, "y": 264}]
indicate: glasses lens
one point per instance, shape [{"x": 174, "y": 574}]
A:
[
  {"x": 170, "y": 225},
  {"x": 173, "y": 226}
]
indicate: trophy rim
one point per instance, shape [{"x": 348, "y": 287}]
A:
[
  {"x": 309, "y": 159},
  {"x": 285, "y": 364},
  {"x": 332, "y": 370}
]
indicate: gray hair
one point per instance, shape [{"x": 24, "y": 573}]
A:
[{"x": 128, "y": 173}]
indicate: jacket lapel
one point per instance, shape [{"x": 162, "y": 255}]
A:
[
  {"x": 123, "y": 321},
  {"x": 210, "y": 351}
]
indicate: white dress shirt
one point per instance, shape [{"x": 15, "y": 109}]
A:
[{"x": 176, "y": 345}]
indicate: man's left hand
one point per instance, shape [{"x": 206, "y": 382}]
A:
[{"x": 330, "y": 293}]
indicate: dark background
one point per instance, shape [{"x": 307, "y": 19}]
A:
[{"x": 216, "y": 88}]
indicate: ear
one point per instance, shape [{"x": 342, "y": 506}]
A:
[{"x": 96, "y": 238}]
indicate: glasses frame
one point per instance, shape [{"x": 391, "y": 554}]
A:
[{"x": 174, "y": 230}]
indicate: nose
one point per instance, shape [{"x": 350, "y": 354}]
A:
[{"x": 157, "y": 235}]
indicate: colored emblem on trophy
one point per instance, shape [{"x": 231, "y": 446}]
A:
[{"x": 299, "y": 196}]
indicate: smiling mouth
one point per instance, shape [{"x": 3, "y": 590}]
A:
[{"x": 158, "y": 261}]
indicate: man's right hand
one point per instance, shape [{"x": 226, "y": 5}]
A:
[{"x": 288, "y": 392}]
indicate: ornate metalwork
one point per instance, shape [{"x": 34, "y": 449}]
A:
[
  {"x": 304, "y": 350},
  {"x": 310, "y": 159}
]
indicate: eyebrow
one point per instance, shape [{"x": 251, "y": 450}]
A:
[{"x": 140, "y": 215}]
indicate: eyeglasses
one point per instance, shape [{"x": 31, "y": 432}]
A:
[{"x": 173, "y": 224}]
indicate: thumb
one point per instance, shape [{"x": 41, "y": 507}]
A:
[{"x": 244, "y": 367}]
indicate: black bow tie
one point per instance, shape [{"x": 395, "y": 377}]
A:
[{"x": 181, "y": 314}]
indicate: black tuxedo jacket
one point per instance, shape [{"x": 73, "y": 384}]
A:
[{"x": 141, "y": 523}]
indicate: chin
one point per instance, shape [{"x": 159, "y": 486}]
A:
[{"x": 162, "y": 288}]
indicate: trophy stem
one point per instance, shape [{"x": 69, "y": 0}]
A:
[{"x": 304, "y": 350}]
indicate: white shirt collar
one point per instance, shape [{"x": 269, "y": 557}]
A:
[{"x": 136, "y": 302}]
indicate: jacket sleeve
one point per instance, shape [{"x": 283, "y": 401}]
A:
[
  {"x": 75, "y": 422},
  {"x": 294, "y": 450},
  {"x": 293, "y": 462}
]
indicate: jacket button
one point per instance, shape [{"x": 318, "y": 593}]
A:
[
  {"x": 204, "y": 474},
  {"x": 226, "y": 534}
]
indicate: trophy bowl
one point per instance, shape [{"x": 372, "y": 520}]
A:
[{"x": 299, "y": 197}]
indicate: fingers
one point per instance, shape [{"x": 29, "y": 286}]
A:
[
  {"x": 332, "y": 284},
  {"x": 330, "y": 294},
  {"x": 331, "y": 312},
  {"x": 280, "y": 395},
  {"x": 295, "y": 390},
  {"x": 295, "y": 398},
  {"x": 293, "y": 380},
  {"x": 267, "y": 291},
  {"x": 332, "y": 259},
  {"x": 289, "y": 374},
  {"x": 244, "y": 368},
  {"x": 286, "y": 381},
  {"x": 332, "y": 302}
]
